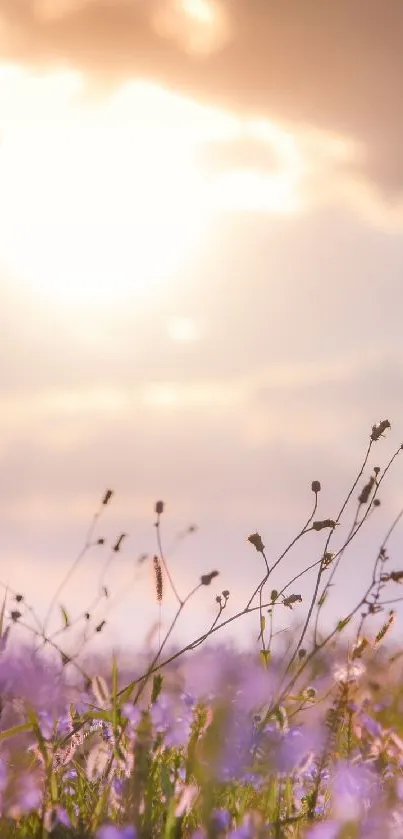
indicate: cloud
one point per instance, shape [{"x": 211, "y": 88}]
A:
[
  {"x": 286, "y": 417},
  {"x": 331, "y": 66},
  {"x": 231, "y": 468},
  {"x": 241, "y": 154}
]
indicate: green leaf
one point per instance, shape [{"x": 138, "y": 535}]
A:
[
  {"x": 53, "y": 787},
  {"x": 14, "y": 730},
  {"x": 262, "y": 627},
  {"x": 343, "y": 623},
  {"x": 265, "y": 657},
  {"x": 166, "y": 782},
  {"x": 157, "y": 687},
  {"x": 107, "y": 716},
  {"x": 65, "y": 616},
  {"x": 125, "y": 693},
  {"x": 75, "y": 716},
  {"x": 31, "y": 714}
]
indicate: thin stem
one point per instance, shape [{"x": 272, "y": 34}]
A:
[
  {"x": 85, "y": 548},
  {"x": 171, "y": 582},
  {"x": 314, "y": 596},
  {"x": 288, "y": 548}
]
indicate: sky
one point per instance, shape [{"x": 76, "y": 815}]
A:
[{"x": 201, "y": 216}]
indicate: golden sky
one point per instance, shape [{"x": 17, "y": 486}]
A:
[{"x": 200, "y": 277}]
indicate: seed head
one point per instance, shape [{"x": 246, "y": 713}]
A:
[
  {"x": 377, "y": 430},
  {"x": 158, "y": 578},
  {"x": 256, "y": 540},
  {"x": 316, "y": 487},
  {"x": 365, "y": 492},
  {"x": 320, "y": 525},
  {"x": 159, "y": 507},
  {"x": 327, "y": 558},
  {"x": 206, "y": 579},
  {"x": 293, "y": 598}
]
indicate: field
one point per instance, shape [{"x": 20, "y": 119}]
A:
[{"x": 301, "y": 737}]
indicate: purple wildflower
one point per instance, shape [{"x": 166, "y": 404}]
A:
[
  {"x": 3, "y": 775},
  {"x": 325, "y": 830},
  {"x": 353, "y": 788},
  {"x": 295, "y": 746},
  {"x": 110, "y": 831},
  {"x": 172, "y": 719},
  {"x": 221, "y": 819},
  {"x": 57, "y": 815},
  {"x": 132, "y": 713}
]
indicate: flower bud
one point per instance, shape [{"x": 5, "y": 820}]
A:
[
  {"x": 256, "y": 540},
  {"x": 206, "y": 579}
]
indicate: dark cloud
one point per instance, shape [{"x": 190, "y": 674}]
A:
[{"x": 335, "y": 65}]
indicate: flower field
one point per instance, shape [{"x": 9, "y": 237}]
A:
[{"x": 300, "y": 737}]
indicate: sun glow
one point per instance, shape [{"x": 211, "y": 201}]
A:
[
  {"x": 103, "y": 202},
  {"x": 199, "y": 26},
  {"x": 97, "y": 205}
]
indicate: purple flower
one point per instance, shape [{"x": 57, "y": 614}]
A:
[
  {"x": 235, "y": 754},
  {"x": 372, "y": 726},
  {"x": 295, "y": 746},
  {"x": 46, "y": 723},
  {"x": 29, "y": 793},
  {"x": 245, "y": 831},
  {"x": 353, "y": 789},
  {"x": 57, "y": 815},
  {"x": 325, "y": 830},
  {"x": 3, "y": 775},
  {"x": 255, "y": 686},
  {"x": 25, "y": 674},
  {"x": 132, "y": 713},
  {"x": 110, "y": 831},
  {"x": 204, "y": 672},
  {"x": 221, "y": 819},
  {"x": 173, "y": 719}
]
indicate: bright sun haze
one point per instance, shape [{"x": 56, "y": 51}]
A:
[
  {"x": 105, "y": 199},
  {"x": 109, "y": 199}
]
